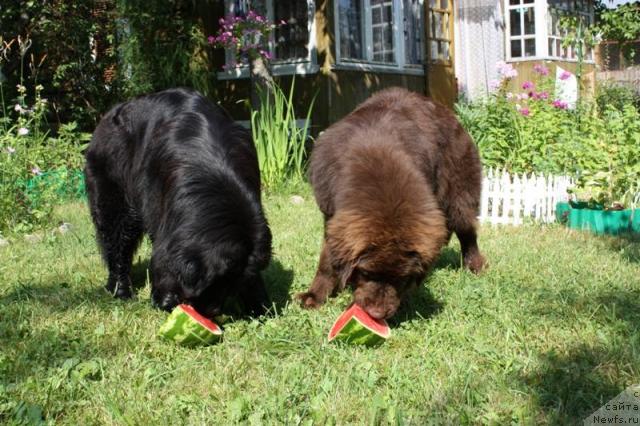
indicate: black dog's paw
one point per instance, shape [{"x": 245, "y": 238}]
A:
[{"x": 119, "y": 289}]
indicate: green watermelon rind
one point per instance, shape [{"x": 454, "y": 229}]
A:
[
  {"x": 186, "y": 331},
  {"x": 354, "y": 332}
]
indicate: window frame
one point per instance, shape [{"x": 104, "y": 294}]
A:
[
  {"x": 399, "y": 65},
  {"x": 294, "y": 66},
  {"x": 542, "y": 17}
]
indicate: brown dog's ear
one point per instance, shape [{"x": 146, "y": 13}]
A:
[{"x": 344, "y": 275}]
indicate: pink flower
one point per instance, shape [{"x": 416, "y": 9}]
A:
[
  {"x": 36, "y": 171},
  {"x": 565, "y": 75},
  {"x": 11, "y": 150},
  {"x": 541, "y": 69},
  {"x": 211, "y": 39},
  {"x": 527, "y": 85},
  {"x": 542, "y": 95},
  {"x": 524, "y": 111},
  {"x": 560, "y": 104},
  {"x": 509, "y": 95}
]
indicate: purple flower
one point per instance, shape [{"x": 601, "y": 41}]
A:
[
  {"x": 524, "y": 111},
  {"x": 506, "y": 70},
  {"x": 565, "y": 75},
  {"x": 527, "y": 85},
  {"x": 211, "y": 39},
  {"x": 560, "y": 104},
  {"x": 542, "y": 95},
  {"x": 494, "y": 84},
  {"x": 36, "y": 171},
  {"x": 541, "y": 69}
]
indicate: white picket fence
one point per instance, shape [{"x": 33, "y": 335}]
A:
[{"x": 510, "y": 199}]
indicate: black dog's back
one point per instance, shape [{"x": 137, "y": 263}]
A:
[{"x": 176, "y": 166}]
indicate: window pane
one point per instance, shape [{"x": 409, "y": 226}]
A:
[
  {"x": 514, "y": 20},
  {"x": 529, "y": 21},
  {"x": 516, "y": 48},
  {"x": 241, "y": 7},
  {"x": 528, "y": 1},
  {"x": 382, "y": 29},
  {"x": 292, "y": 36},
  {"x": 350, "y": 21},
  {"x": 413, "y": 31},
  {"x": 530, "y": 47},
  {"x": 514, "y": 2},
  {"x": 434, "y": 50},
  {"x": 552, "y": 45}
]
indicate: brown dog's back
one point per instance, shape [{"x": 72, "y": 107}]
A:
[{"x": 393, "y": 179}]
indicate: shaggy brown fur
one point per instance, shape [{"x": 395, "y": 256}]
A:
[{"x": 393, "y": 179}]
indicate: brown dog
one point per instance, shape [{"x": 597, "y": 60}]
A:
[{"x": 393, "y": 179}]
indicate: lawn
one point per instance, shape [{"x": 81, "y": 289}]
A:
[{"x": 546, "y": 335}]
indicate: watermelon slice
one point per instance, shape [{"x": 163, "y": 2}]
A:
[
  {"x": 187, "y": 327},
  {"x": 358, "y": 327}
]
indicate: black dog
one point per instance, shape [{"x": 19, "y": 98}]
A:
[{"x": 177, "y": 167}]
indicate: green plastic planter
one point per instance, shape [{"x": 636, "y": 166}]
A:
[{"x": 597, "y": 220}]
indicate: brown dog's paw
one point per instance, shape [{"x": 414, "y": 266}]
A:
[
  {"x": 476, "y": 263},
  {"x": 308, "y": 300}
]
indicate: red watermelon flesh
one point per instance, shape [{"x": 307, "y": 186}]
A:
[
  {"x": 355, "y": 325},
  {"x": 205, "y": 322}
]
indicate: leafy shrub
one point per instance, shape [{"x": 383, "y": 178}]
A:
[
  {"x": 616, "y": 95},
  {"x": 533, "y": 132},
  {"x": 36, "y": 169},
  {"x": 280, "y": 143}
]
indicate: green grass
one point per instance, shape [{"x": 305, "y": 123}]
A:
[{"x": 546, "y": 335}]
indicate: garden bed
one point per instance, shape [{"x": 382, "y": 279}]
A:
[{"x": 582, "y": 216}]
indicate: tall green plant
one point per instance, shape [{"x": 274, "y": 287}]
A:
[{"x": 279, "y": 141}]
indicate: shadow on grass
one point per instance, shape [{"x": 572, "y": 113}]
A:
[
  {"x": 278, "y": 281},
  {"x": 419, "y": 304},
  {"x": 59, "y": 297},
  {"x": 450, "y": 258},
  {"x": 628, "y": 247},
  {"x": 140, "y": 274},
  {"x": 570, "y": 386}
]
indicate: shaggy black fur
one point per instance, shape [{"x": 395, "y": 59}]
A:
[{"x": 177, "y": 167}]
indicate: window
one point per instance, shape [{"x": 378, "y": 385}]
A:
[
  {"x": 293, "y": 40},
  {"x": 522, "y": 28},
  {"x": 387, "y": 33},
  {"x": 439, "y": 32},
  {"x": 557, "y": 10},
  {"x": 533, "y": 28}
]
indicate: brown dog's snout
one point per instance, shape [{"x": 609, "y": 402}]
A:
[{"x": 381, "y": 301}]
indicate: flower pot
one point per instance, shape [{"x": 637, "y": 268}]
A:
[{"x": 599, "y": 221}]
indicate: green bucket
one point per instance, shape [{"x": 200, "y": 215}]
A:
[{"x": 601, "y": 222}]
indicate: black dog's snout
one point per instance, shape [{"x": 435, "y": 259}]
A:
[{"x": 166, "y": 301}]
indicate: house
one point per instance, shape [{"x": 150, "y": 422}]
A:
[
  {"x": 343, "y": 50},
  {"x": 520, "y": 32}
]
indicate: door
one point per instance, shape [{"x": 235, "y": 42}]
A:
[{"x": 441, "y": 81}]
